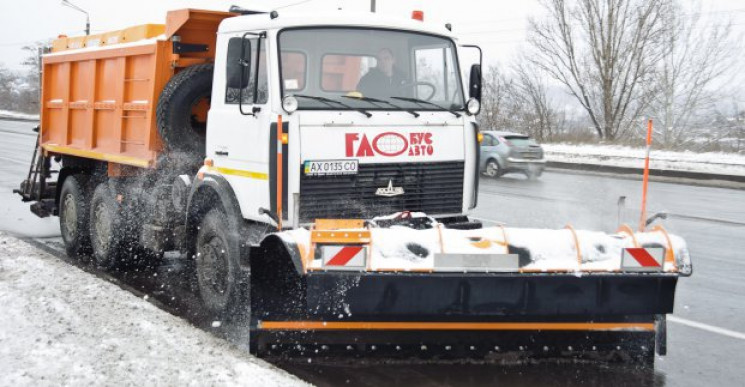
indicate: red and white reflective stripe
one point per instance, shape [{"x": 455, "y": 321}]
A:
[
  {"x": 350, "y": 256},
  {"x": 643, "y": 258}
]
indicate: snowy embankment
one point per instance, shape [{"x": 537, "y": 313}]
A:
[
  {"x": 62, "y": 326},
  {"x": 627, "y": 157},
  {"x": 7, "y": 114}
]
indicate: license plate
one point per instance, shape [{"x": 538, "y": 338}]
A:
[
  {"x": 476, "y": 262},
  {"x": 330, "y": 167}
]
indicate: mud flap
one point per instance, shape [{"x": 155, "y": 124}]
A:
[{"x": 660, "y": 338}]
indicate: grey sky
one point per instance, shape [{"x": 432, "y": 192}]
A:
[{"x": 498, "y": 26}]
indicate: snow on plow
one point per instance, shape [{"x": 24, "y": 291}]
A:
[
  {"x": 331, "y": 245},
  {"x": 407, "y": 279}
]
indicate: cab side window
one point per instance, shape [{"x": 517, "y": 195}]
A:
[{"x": 233, "y": 72}]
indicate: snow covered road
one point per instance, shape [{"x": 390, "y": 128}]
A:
[{"x": 62, "y": 326}]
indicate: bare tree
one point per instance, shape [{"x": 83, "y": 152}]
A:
[
  {"x": 700, "y": 54},
  {"x": 7, "y": 88},
  {"x": 30, "y": 92},
  {"x": 728, "y": 129},
  {"x": 538, "y": 116},
  {"x": 604, "y": 52},
  {"x": 496, "y": 90},
  {"x": 518, "y": 102}
]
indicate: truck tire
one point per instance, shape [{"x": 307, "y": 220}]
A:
[
  {"x": 106, "y": 228},
  {"x": 74, "y": 216},
  {"x": 220, "y": 278},
  {"x": 183, "y": 133}
]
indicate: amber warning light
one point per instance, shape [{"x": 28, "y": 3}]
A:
[{"x": 417, "y": 15}]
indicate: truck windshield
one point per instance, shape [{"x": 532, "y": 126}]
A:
[{"x": 373, "y": 69}]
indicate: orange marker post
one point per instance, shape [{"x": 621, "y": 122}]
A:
[{"x": 645, "y": 180}]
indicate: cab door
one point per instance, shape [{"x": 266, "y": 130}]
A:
[{"x": 238, "y": 129}]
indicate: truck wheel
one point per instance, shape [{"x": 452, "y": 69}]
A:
[
  {"x": 74, "y": 216},
  {"x": 219, "y": 275},
  {"x": 181, "y": 112},
  {"x": 492, "y": 168},
  {"x": 106, "y": 227}
]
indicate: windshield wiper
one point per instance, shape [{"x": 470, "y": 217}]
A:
[
  {"x": 421, "y": 101},
  {"x": 329, "y": 101},
  {"x": 375, "y": 100}
]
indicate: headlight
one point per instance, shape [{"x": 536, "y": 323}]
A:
[
  {"x": 289, "y": 103},
  {"x": 473, "y": 106}
]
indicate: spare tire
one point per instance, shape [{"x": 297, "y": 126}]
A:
[{"x": 181, "y": 112}]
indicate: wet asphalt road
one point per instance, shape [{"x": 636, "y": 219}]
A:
[{"x": 706, "y": 335}]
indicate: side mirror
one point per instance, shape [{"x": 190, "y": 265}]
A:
[
  {"x": 474, "y": 84},
  {"x": 239, "y": 63}
]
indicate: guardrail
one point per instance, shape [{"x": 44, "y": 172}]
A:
[
  {"x": 10, "y": 117},
  {"x": 639, "y": 171}
]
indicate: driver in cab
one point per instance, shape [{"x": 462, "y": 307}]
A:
[{"x": 383, "y": 80}]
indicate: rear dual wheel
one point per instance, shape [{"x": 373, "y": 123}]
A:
[
  {"x": 74, "y": 216},
  {"x": 107, "y": 228},
  {"x": 91, "y": 223}
]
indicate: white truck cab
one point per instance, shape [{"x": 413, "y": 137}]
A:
[{"x": 357, "y": 139}]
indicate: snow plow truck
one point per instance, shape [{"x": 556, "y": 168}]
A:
[{"x": 319, "y": 171}]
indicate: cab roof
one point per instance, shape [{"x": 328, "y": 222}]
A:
[{"x": 333, "y": 19}]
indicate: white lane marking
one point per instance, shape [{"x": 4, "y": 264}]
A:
[
  {"x": 707, "y": 327},
  {"x": 13, "y": 161}
]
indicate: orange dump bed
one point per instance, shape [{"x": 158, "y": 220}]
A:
[{"x": 99, "y": 102}]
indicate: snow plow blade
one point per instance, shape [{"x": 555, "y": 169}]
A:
[
  {"x": 453, "y": 290},
  {"x": 509, "y": 312}
]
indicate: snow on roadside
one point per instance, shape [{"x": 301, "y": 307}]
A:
[
  {"x": 18, "y": 116},
  {"x": 622, "y": 156},
  {"x": 62, "y": 326}
]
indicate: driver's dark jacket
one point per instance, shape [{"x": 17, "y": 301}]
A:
[{"x": 378, "y": 85}]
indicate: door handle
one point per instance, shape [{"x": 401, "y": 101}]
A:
[{"x": 221, "y": 153}]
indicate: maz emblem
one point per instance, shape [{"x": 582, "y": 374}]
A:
[{"x": 390, "y": 190}]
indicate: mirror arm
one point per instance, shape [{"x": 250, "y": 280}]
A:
[
  {"x": 244, "y": 63},
  {"x": 481, "y": 65},
  {"x": 256, "y": 71}
]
